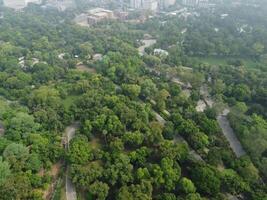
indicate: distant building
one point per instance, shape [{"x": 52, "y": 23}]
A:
[
  {"x": 144, "y": 4},
  {"x": 94, "y": 16},
  {"x": 191, "y": 2},
  {"x": 136, "y": 4},
  {"x": 160, "y": 52},
  {"x": 19, "y": 4},
  {"x": 166, "y": 3},
  {"x": 150, "y": 5},
  {"x": 60, "y": 5}
]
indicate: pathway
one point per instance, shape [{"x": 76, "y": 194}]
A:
[
  {"x": 146, "y": 43},
  {"x": 223, "y": 123},
  {"x": 70, "y": 188},
  {"x": 229, "y": 134},
  {"x": 192, "y": 152}
]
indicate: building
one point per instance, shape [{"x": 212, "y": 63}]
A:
[
  {"x": 136, "y": 4},
  {"x": 166, "y": 3},
  {"x": 150, "y": 5},
  {"x": 160, "y": 53},
  {"x": 191, "y": 2},
  {"x": 60, "y": 5},
  {"x": 19, "y": 4},
  {"x": 144, "y": 4},
  {"x": 94, "y": 16}
]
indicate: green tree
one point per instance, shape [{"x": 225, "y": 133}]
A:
[
  {"x": 206, "y": 179},
  {"x": 131, "y": 90},
  {"x": 99, "y": 190},
  {"x": 187, "y": 186},
  {"x": 16, "y": 155},
  {"x": 5, "y": 171},
  {"x": 80, "y": 151}
]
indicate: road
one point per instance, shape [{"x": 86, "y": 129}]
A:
[
  {"x": 192, "y": 152},
  {"x": 70, "y": 188},
  {"x": 178, "y": 138},
  {"x": 229, "y": 134},
  {"x": 223, "y": 122},
  {"x": 160, "y": 119},
  {"x": 147, "y": 43}
]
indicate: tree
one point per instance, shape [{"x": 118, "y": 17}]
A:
[
  {"x": 80, "y": 151},
  {"x": 206, "y": 179},
  {"x": 131, "y": 90},
  {"x": 175, "y": 151},
  {"x": 85, "y": 175},
  {"x": 5, "y": 171},
  {"x": 148, "y": 88},
  {"x": 16, "y": 187},
  {"x": 140, "y": 156},
  {"x": 171, "y": 173},
  {"x": 155, "y": 135},
  {"x": 16, "y": 155},
  {"x": 141, "y": 191},
  {"x": 193, "y": 197},
  {"x": 241, "y": 92},
  {"x": 199, "y": 140},
  {"x": 99, "y": 190},
  {"x": 258, "y": 48},
  {"x": 133, "y": 138},
  {"x": 119, "y": 170},
  {"x": 85, "y": 50},
  {"x": 20, "y": 126},
  {"x": 44, "y": 97},
  {"x": 34, "y": 163},
  {"x": 233, "y": 183},
  {"x": 187, "y": 186}
]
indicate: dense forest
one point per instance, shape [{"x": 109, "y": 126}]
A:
[{"x": 139, "y": 134}]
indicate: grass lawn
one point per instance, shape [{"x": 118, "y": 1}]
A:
[
  {"x": 69, "y": 101},
  {"x": 215, "y": 60}
]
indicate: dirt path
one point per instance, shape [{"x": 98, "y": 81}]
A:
[
  {"x": 70, "y": 188},
  {"x": 146, "y": 43},
  {"x": 229, "y": 134},
  {"x": 159, "y": 118}
]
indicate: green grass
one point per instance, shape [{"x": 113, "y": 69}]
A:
[
  {"x": 215, "y": 60},
  {"x": 69, "y": 101}
]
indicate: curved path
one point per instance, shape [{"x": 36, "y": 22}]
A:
[
  {"x": 146, "y": 43},
  {"x": 70, "y": 188}
]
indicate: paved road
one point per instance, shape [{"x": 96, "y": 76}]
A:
[
  {"x": 70, "y": 188},
  {"x": 229, "y": 134},
  {"x": 147, "y": 43},
  {"x": 160, "y": 119},
  {"x": 192, "y": 152},
  {"x": 224, "y": 124}
]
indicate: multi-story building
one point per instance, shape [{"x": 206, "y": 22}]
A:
[
  {"x": 191, "y": 2},
  {"x": 136, "y": 4},
  {"x": 144, "y": 4},
  {"x": 166, "y": 3},
  {"x": 152, "y": 5},
  {"x": 19, "y": 4},
  {"x": 94, "y": 16}
]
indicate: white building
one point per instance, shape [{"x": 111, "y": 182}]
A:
[
  {"x": 136, "y": 4},
  {"x": 144, "y": 4},
  {"x": 150, "y": 5},
  {"x": 191, "y": 2},
  {"x": 166, "y": 3},
  {"x": 19, "y": 4}
]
